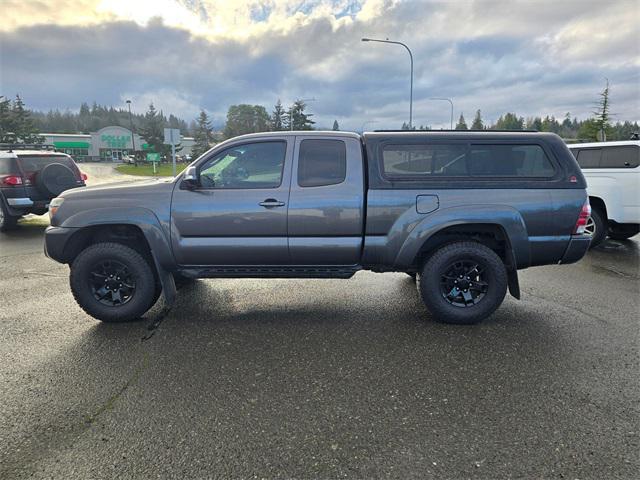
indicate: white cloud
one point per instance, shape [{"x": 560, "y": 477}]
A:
[{"x": 535, "y": 58}]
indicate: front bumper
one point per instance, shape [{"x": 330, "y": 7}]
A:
[
  {"x": 577, "y": 248},
  {"x": 55, "y": 241}
]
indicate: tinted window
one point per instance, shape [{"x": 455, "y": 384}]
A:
[
  {"x": 455, "y": 160},
  {"x": 322, "y": 162},
  {"x": 620, "y": 157},
  {"x": 589, "y": 158},
  {"x": 509, "y": 161},
  {"x": 8, "y": 166},
  {"x": 35, "y": 163},
  {"x": 412, "y": 160},
  {"x": 254, "y": 165}
]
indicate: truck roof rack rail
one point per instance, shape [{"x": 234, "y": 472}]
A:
[
  {"x": 462, "y": 131},
  {"x": 25, "y": 146}
]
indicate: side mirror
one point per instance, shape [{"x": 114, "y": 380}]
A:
[{"x": 190, "y": 179}]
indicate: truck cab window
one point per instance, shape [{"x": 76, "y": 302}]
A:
[
  {"x": 322, "y": 162},
  {"x": 254, "y": 165},
  {"x": 589, "y": 158}
]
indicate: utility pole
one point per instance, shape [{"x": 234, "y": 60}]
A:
[{"x": 133, "y": 136}]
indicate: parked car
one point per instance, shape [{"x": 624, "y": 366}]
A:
[
  {"x": 462, "y": 211},
  {"x": 29, "y": 179},
  {"x": 129, "y": 159},
  {"x": 612, "y": 170}
]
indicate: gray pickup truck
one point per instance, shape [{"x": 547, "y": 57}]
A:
[{"x": 461, "y": 211}]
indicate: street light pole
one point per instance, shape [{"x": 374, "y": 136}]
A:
[
  {"x": 133, "y": 142},
  {"x": 446, "y": 100},
  {"x": 411, "y": 82}
]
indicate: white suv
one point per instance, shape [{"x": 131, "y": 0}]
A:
[{"x": 613, "y": 184}]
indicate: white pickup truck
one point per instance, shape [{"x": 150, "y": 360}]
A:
[{"x": 613, "y": 183}]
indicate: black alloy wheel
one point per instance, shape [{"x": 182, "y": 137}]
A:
[
  {"x": 464, "y": 283},
  {"x": 112, "y": 283}
]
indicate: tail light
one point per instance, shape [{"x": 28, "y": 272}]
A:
[
  {"x": 83, "y": 176},
  {"x": 581, "y": 224},
  {"x": 11, "y": 180}
]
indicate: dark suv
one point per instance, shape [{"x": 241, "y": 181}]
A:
[{"x": 29, "y": 179}]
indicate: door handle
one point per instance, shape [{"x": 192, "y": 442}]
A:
[{"x": 271, "y": 202}]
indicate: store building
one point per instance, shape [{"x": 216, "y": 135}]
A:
[{"x": 108, "y": 144}]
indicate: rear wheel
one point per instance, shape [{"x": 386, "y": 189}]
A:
[
  {"x": 596, "y": 228},
  {"x": 7, "y": 222},
  {"x": 113, "y": 282},
  {"x": 463, "y": 283}
]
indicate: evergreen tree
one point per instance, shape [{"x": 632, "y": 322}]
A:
[
  {"x": 405, "y": 126},
  {"x": 301, "y": 120},
  {"x": 24, "y": 127},
  {"x": 509, "y": 121},
  {"x": 203, "y": 135},
  {"x": 336, "y": 127},
  {"x": 477, "y": 121},
  {"x": 550, "y": 124},
  {"x": 602, "y": 115},
  {"x": 7, "y": 130},
  {"x": 278, "y": 118},
  {"x": 534, "y": 123},
  {"x": 461, "y": 125},
  {"x": 153, "y": 129}
]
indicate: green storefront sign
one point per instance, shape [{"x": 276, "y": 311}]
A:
[
  {"x": 71, "y": 144},
  {"x": 116, "y": 141}
]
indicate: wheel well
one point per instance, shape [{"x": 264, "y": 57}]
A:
[
  {"x": 129, "y": 235},
  {"x": 598, "y": 203},
  {"x": 490, "y": 235}
]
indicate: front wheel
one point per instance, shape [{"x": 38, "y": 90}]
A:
[
  {"x": 463, "y": 283},
  {"x": 113, "y": 282}
]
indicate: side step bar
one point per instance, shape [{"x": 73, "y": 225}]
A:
[{"x": 269, "y": 271}]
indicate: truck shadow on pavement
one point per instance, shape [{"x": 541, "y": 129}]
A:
[{"x": 295, "y": 369}]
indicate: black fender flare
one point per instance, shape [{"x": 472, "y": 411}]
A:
[{"x": 153, "y": 231}]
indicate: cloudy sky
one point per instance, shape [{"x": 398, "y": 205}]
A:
[{"x": 531, "y": 57}]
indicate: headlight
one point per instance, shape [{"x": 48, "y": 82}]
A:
[{"x": 54, "y": 205}]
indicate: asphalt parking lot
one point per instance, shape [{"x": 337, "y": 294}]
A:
[{"x": 321, "y": 378}]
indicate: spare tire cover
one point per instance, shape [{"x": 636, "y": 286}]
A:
[{"x": 55, "y": 178}]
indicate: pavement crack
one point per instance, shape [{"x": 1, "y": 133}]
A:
[{"x": 108, "y": 405}]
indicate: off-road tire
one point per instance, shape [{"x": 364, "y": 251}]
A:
[
  {"x": 431, "y": 291},
  {"x": 600, "y": 227},
  {"x": 143, "y": 297},
  {"x": 7, "y": 222}
]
